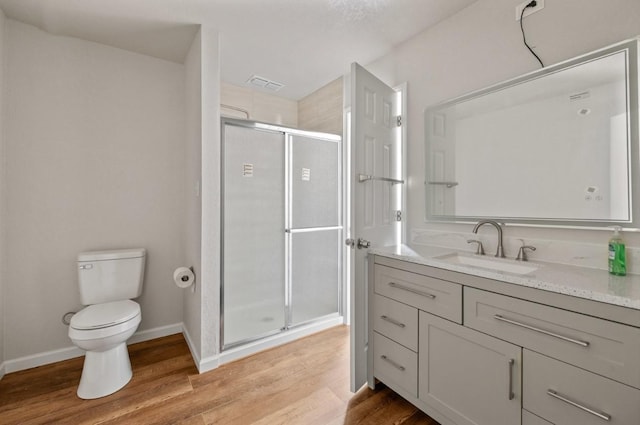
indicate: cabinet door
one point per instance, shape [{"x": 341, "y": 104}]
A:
[{"x": 467, "y": 376}]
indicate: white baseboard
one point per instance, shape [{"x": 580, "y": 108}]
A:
[
  {"x": 40, "y": 359},
  {"x": 203, "y": 365},
  {"x": 192, "y": 347},
  {"x": 159, "y": 332},
  {"x": 276, "y": 340},
  {"x": 209, "y": 363}
]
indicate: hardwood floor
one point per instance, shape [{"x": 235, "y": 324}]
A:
[{"x": 305, "y": 382}]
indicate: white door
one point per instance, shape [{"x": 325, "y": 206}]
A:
[{"x": 375, "y": 161}]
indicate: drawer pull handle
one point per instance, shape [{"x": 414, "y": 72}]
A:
[
  {"x": 408, "y": 289},
  {"x": 511, "y": 393},
  {"x": 560, "y": 397},
  {"x": 542, "y": 331},
  {"x": 393, "y": 321},
  {"x": 392, "y": 363}
]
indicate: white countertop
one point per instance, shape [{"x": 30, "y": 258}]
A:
[{"x": 581, "y": 282}]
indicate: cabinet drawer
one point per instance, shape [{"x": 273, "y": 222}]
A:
[
  {"x": 604, "y": 347},
  {"x": 395, "y": 365},
  {"x": 529, "y": 418},
  {"x": 435, "y": 296},
  {"x": 566, "y": 395},
  {"x": 396, "y": 321}
]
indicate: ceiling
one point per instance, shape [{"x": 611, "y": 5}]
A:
[{"x": 303, "y": 44}]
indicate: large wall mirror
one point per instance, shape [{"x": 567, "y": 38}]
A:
[{"x": 558, "y": 146}]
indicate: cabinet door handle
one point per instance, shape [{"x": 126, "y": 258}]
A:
[
  {"x": 393, "y": 321},
  {"x": 601, "y": 415},
  {"x": 392, "y": 363},
  {"x": 542, "y": 331},
  {"x": 408, "y": 289},
  {"x": 511, "y": 393}
]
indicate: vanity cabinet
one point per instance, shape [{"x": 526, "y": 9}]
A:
[{"x": 471, "y": 351}]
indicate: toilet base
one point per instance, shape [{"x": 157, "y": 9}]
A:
[{"x": 105, "y": 372}]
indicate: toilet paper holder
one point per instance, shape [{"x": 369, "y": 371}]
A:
[{"x": 184, "y": 277}]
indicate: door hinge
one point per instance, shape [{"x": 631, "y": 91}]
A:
[
  {"x": 398, "y": 215},
  {"x": 399, "y": 121}
]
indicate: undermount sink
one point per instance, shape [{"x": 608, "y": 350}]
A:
[{"x": 495, "y": 264}]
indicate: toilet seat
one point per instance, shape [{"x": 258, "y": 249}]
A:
[
  {"x": 104, "y": 320},
  {"x": 99, "y": 316}
]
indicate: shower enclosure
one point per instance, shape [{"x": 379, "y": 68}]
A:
[{"x": 282, "y": 230}]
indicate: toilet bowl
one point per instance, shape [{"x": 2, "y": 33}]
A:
[{"x": 103, "y": 330}]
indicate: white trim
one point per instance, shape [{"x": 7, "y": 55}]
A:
[
  {"x": 404, "y": 106},
  {"x": 205, "y": 365},
  {"x": 276, "y": 340},
  {"x": 209, "y": 363},
  {"x": 159, "y": 332},
  {"x": 47, "y": 357},
  {"x": 44, "y": 358}
]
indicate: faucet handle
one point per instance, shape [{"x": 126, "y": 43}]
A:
[
  {"x": 480, "y": 249},
  {"x": 522, "y": 253}
]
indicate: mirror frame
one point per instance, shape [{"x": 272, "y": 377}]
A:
[{"x": 631, "y": 47}]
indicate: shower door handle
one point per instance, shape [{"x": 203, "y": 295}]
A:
[
  {"x": 363, "y": 243},
  {"x": 360, "y": 243}
]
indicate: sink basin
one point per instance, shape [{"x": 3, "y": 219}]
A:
[{"x": 495, "y": 264}]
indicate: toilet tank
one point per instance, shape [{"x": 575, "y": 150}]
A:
[{"x": 114, "y": 275}]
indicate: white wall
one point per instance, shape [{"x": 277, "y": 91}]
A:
[
  {"x": 210, "y": 273},
  {"x": 482, "y": 45},
  {"x": 3, "y": 222},
  {"x": 201, "y": 318},
  {"x": 193, "y": 225},
  {"x": 95, "y": 160}
]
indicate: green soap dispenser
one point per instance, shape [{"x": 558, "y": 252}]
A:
[{"x": 617, "y": 260}]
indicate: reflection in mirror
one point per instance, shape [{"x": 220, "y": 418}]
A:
[{"x": 557, "y": 146}]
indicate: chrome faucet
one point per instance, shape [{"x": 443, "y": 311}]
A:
[{"x": 499, "y": 250}]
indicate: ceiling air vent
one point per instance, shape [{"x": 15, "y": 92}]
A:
[
  {"x": 265, "y": 83},
  {"x": 579, "y": 96}
]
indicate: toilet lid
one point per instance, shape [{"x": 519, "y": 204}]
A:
[{"x": 104, "y": 315}]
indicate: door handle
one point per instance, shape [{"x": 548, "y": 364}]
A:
[
  {"x": 350, "y": 242},
  {"x": 363, "y": 243},
  {"x": 510, "y": 392}
]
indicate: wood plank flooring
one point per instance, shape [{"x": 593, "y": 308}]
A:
[{"x": 305, "y": 382}]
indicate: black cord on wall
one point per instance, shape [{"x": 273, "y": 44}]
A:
[{"x": 532, "y": 3}]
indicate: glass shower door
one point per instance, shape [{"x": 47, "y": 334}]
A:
[
  {"x": 315, "y": 275},
  {"x": 314, "y": 227},
  {"x": 254, "y": 271}
]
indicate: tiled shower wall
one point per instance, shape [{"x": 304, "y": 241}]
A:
[{"x": 320, "y": 111}]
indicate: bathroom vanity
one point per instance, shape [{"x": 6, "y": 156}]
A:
[{"x": 506, "y": 343}]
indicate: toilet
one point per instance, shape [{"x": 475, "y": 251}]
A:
[{"x": 108, "y": 281}]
